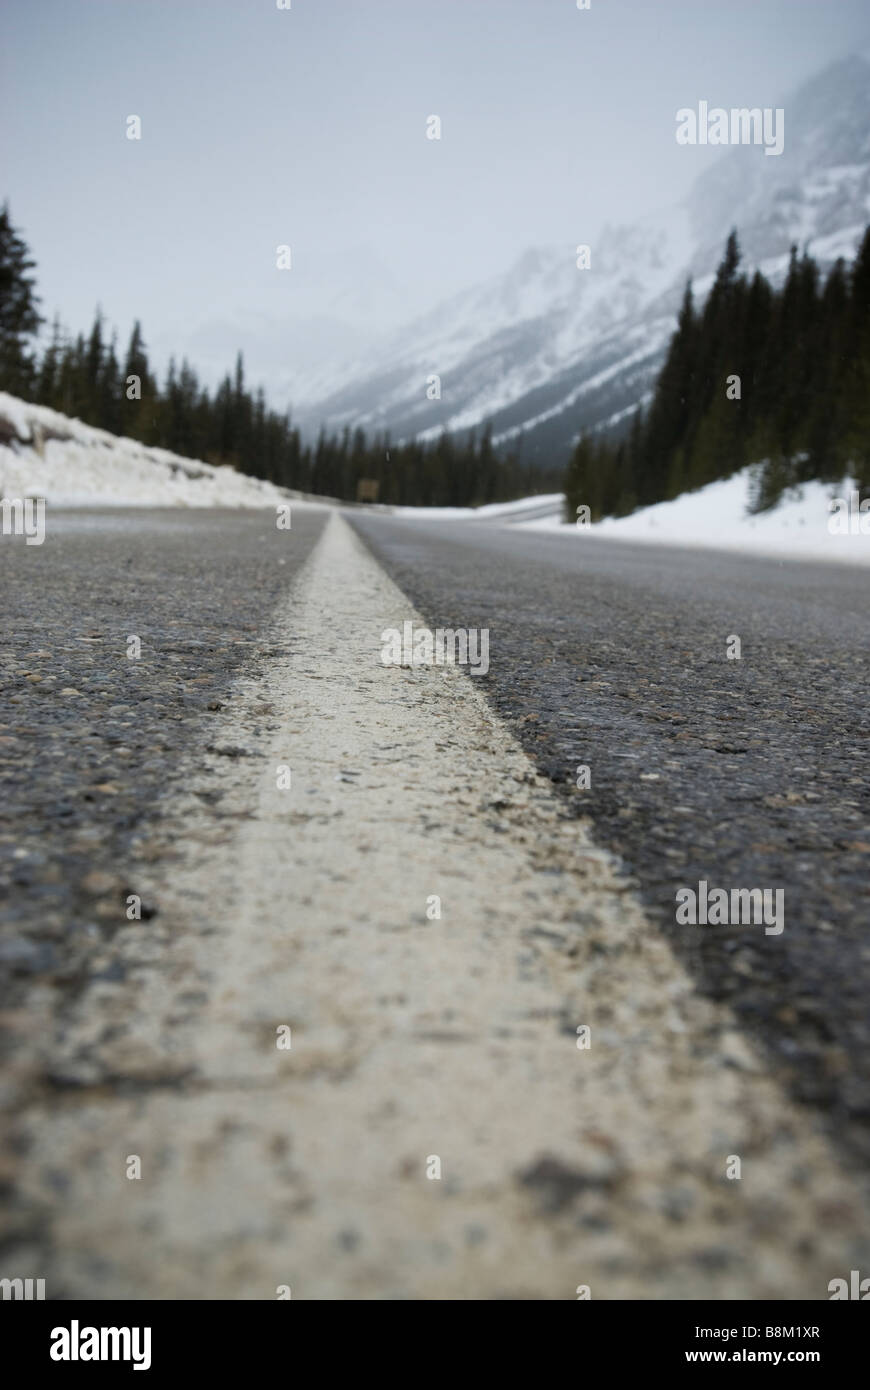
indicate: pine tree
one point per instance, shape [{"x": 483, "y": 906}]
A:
[
  {"x": 826, "y": 431},
  {"x": 856, "y": 388},
  {"x": 47, "y": 388},
  {"x": 583, "y": 481},
  {"x": 669, "y": 413},
  {"x": 757, "y": 401},
  {"x": 93, "y": 370},
  {"x": 19, "y": 314},
  {"x": 109, "y": 415}
]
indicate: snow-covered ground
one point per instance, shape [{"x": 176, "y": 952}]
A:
[
  {"x": 716, "y": 517},
  {"x": 75, "y": 465}
]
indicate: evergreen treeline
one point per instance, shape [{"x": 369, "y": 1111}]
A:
[
  {"x": 777, "y": 377},
  {"x": 90, "y": 378}
]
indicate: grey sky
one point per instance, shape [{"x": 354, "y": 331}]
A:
[{"x": 307, "y": 126}]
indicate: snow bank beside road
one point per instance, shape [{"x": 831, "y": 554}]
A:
[
  {"x": 716, "y": 517},
  {"x": 46, "y": 454}
]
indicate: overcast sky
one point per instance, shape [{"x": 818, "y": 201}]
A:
[{"x": 308, "y": 127}]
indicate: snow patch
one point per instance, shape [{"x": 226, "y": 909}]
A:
[
  {"x": 717, "y": 517},
  {"x": 46, "y": 454}
]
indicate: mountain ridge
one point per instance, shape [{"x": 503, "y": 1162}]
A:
[{"x": 541, "y": 354}]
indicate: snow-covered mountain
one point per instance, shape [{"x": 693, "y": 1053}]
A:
[{"x": 546, "y": 349}]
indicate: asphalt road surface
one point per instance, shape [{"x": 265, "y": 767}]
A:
[
  {"x": 743, "y": 773},
  {"x": 92, "y": 740},
  {"x": 157, "y": 771}
]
